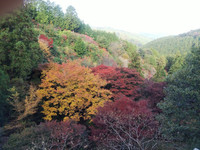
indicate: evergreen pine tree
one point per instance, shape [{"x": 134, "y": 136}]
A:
[{"x": 181, "y": 107}]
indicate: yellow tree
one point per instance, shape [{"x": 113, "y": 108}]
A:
[
  {"x": 45, "y": 44},
  {"x": 71, "y": 91}
]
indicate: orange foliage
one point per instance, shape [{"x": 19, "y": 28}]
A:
[
  {"x": 45, "y": 45},
  {"x": 71, "y": 91},
  {"x": 45, "y": 49}
]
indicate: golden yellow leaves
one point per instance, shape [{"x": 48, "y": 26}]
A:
[
  {"x": 71, "y": 91},
  {"x": 45, "y": 49}
]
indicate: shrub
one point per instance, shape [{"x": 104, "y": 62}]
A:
[
  {"x": 49, "y": 135},
  {"x": 154, "y": 93},
  {"x": 80, "y": 47},
  {"x": 125, "y": 124}
]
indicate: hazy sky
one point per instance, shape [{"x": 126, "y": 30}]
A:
[{"x": 148, "y": 16}]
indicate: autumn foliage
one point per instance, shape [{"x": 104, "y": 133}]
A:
[
  {"x": 59, "y": 135},
  {"x": 49, "y": 136},
  {"x": 48, "y": 41},
  {"x": 154, "y": 93},
  {"x": 125, "y": 124},
  {"x": 120, "y": 80},
  {"x": 71, "y": 91},
  {"x": 45, "y": 44}
]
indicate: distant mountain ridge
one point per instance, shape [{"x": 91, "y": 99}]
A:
[
  {"x": 172, "y": 44},
  {"x": 135, "y": 38}
]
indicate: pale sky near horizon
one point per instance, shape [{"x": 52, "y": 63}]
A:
[{"x": 167, "y": 17}]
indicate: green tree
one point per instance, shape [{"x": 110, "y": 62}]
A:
[
  {"x": 46, "y": 12},
  {"x": 80, "y": 47},
  {"x": 4, "y": 83},
  {"x": 42, "y": 13},
  {"x": 72, "y": 20},
  {"x": 19, "y": 48},
  {"x": 177, "y": 63},
  {"x": 32, "y": 8},
  {"x": 181, "y": 107},
  {"x": 135, "y": 62},
  {"x": 135, "y": 59},
  {"x": 142, "y": 53},
  {"x": 160, "y": 68},
  {"x": 150, "y": 57},
  {"x": 170, "y": 61},
  {"x": 85, "y": 29},
  {"x": 58, "y": 17}
]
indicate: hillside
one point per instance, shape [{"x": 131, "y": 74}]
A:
[
  {"x": 137, "y": 39},
  {"x": 65, "y": 86},
  {"x": 172, "y": 44}
]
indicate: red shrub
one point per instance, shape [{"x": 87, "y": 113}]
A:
[
  {"x": 59, "y": 135},
  {"x": 124, "y": 124},
  {"x": 153, "y": 91},
  {"x": 45, "y": 39},
  {"x": 120, "y": 80}
]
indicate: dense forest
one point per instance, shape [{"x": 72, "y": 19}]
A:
[
  {"x": 136, "y": 39},
  {"x": 173, "y": 44},
  {"x": 66, "y": 86}
]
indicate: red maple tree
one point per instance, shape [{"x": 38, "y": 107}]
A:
[
  {"x": 121, "y": 81},
  {"x": 125, "y": 124},
  {"x": 59, "y": 135},
  {"x": 154, "y": 93}
]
